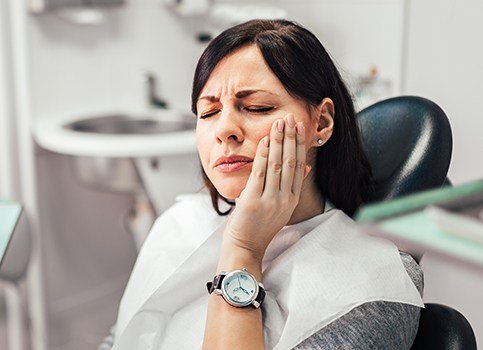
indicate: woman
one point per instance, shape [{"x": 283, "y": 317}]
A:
[{"x": 278, "y": 143}]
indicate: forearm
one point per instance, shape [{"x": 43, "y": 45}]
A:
[{"x": 229, "y": 327}]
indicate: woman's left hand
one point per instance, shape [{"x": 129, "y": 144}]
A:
[{"x": 272, "y": 191}]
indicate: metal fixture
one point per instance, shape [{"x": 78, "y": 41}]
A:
[
  {"x": 124, "y": 124},
  {"x": 153, "y": 99}
]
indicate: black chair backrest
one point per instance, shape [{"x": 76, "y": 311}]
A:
[{"x": 408, "y": 142}]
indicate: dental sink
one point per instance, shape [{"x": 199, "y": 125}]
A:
[
  {"x": 123, "y": 124},
  {"x": 119, "y": 151},
  {"x": 119, "y": 134}
]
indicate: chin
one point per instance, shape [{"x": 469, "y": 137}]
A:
[{"x": 230, "y": 188}]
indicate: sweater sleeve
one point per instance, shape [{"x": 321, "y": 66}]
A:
[{"x": 373, "y": 325}]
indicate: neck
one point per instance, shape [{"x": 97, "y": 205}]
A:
[{"x": 311, "y": 203}]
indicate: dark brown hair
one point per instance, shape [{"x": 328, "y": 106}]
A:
[{"x": 305, "y": 69}]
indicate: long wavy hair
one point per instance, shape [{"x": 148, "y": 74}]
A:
[{"x": 303, "y": 66}]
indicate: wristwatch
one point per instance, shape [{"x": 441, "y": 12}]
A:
[{"x": 238, "y": 287}]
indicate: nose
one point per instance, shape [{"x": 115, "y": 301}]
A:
[{"x": 228, "y": 127}]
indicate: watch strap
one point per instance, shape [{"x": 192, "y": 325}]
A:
[
  {"x": 216, "y": 284},
  {"x": 261, "y": 295}
]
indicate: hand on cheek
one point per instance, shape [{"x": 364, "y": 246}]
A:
[{"x": 273, "y": 188}]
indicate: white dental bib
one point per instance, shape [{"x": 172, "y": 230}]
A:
[{"x": 314, "y": 272}]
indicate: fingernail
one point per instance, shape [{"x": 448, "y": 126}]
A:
[
  {"x": 265, "y": 141},
  {"x": 291, "y": 120},
  {"x": 300, "y": 128},
  {"x": 280, "y": 125}
]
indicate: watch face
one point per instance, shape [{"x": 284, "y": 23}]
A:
[{"x": 239, "y": 288}]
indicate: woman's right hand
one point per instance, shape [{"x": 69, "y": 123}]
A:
[{"x": 273, "y": 189}]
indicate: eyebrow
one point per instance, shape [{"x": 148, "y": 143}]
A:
[{"x": 239, "y": 94}]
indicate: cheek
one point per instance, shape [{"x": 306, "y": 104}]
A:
[
  {"x": 203, "y": 146},
  {"x": 260, "y": 134},
  {"x": 260, "y": 130}
]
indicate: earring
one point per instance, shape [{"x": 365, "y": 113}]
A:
[{"x": 319, "y": 141}]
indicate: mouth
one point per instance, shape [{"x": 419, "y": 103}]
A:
[
  {"x": 233, "y": 166},
  {"x": 232, "y": 162}
]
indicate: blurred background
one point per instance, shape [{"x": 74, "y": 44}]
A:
[{"x": 97, "y": 139}]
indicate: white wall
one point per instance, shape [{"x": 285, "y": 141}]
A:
[
  {"x": 357, "y": 34},
  {"x": 100, "y": 66},
  {"x": 77, "y": 68},
  {"x": 445, "y": 64}
]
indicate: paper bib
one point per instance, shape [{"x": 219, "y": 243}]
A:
[{"x": 321, "y": 276}]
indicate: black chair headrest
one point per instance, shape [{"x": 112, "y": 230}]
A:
[{"x": 408, "y": 143}]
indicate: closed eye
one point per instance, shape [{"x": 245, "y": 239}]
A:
[
  {"x": 249, "y": 109},
  {"x": 259, "y": 109},
  {"x": 206, "y": 115}
]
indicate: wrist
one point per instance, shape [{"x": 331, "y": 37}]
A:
[
  {"x": 233, "y": 257},
  {"x": 255, "y": 249}
]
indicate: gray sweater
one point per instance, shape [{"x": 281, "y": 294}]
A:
[{"x": 373, "y": 325}]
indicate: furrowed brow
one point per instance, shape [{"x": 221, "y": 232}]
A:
[
  {"x": 239, "y": 94},
  {"x": 209, "y": 98}
]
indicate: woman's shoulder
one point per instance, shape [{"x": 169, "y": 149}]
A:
[
  {"x": 414, "y": 270},
  {"x": 412, "y": 267},
  {"x": 373, "y": 325}
]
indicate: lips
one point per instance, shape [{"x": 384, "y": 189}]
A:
[
  {"x": 228, "y": 164},
  {"x": 235, "y": 158}
]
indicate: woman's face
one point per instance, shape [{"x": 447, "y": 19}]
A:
[{"x": 236, "y": 108}]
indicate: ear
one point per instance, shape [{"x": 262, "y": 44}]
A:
[{"x": 325, "y": 121}]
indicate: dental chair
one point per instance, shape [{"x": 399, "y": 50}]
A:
[{"x": 408, "y": 142}]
